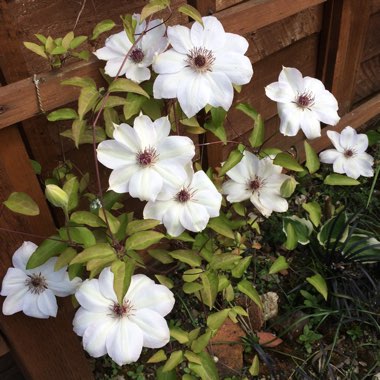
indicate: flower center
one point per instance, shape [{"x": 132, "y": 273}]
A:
[
  {"x": 255, "y": 184},
  {"x": 36, "y": 283},
  {"x": 348, "y": 153},
  {"x": 147, "y": 157},
  {"x": 305, "y": 100},
  {"x": 200, "y": 59},
  {"x": 183, "y": 196},
  {"x": 119, "y": 311},
  {"x": 137, "y": 55}
]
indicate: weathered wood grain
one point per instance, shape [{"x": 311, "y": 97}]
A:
[
  {"x": 372, "y": 43},
  {"x": 368, "y": 79}
]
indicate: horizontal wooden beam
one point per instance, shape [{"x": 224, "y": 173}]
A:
[{"x": 19, "y": 101}]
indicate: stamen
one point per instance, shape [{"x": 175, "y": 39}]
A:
[
  {"x": 137, "y": 55},
  {"x": 119, "y": 311},
  {"x": 200, "y": 59},
  {"x": 147, "y": 157},
  {"x": 255, "y": 184},
  {"x": 348, "y": 153},
  {"x": 305, "y": 100},
  {"x": 184, "y": 195},
  {"x": 36, "y": 283}
]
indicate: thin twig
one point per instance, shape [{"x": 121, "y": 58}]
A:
[{"x": 79, "y": 14}]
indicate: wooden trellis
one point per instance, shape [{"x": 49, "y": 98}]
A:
[{"x": 335, "y": 40}]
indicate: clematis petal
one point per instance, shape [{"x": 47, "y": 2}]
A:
[
  {"x": 95, "y": 336},
  {"x": 310, "y": 125},
  {"x": 221, "y": 90},
  {"x": 126, "y": 135},
  {"x": 156, "y": 210},
  {"x": 90, "y": 297},
  {"x": 119, "y": 178},
  {"x": 255, "y": 199},
  {"x": 13, "y": 281},
  {"x": 114, "y": 66},
  {"x": 119, "y": 42},
  {"x": 169, "y": 62},
  {"x": 211, "y": 35},
  {"x": 364, "y": 166},
  {"x": 139, "y": 282},
  {"x": 136, "y": 73},
  {"x": 335, "y": 139},
  {"x": 352, "y": 168},
  {"x": 144, "y": 129},
  {"x": 236, "y": 192},
  {"x": 106, "y": 278},
  {"x": 293, "y": 77},
  {"x": 171, "y": 220},
  {"x": 153, "y": 297},
  {"x": 194, "y": 92},
  {"x": 271, "y": 200},
  {"x": 280, "y": 92},
  {"x": 162, "y": 128},
  {"x": 124, "y": 341},
  {"x": 313, "y": 85},
  {"x": 179, "y": 38},
  {"x": 194, "y": 217},
  {"x": 83, "y": 319},
  {"x": 63, "y": 287},
  {"x": 47, "y": 303},
  {"x": 115, "y": 155},
  {"x": 235, "y": 43},
  {"x": 290, "y": 118},
  {"x": 145, "y": 184},
  {"x": 361, "y": 144},
  {"x": 237, "y": 67},
  {"x": 180, "y": 148},
  {"x": 30, "y": 306},
  {"x": 339, "y": 164},
  {"x": 153, "y": 326},
  {"x": 329, "y": 156},
  {"x": 348, "y": 138},
  {"x": 15, "y": 301},
  {"x": 22, "y": 255},
  {"x": 166, "y": 85}
]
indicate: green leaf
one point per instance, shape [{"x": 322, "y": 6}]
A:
[
  {"x": 254, "y": 369},
  {"x": 36, "y": 166},
  {"x": 87, "y": 100},
  {"x": 210, "y": 283},
  {"x": 216, "y": 123},
  {"x": 279, "y": 264},
  {"x": 215, "y": 320},
  {"x": 49, "y": 45},
  {"x": 77, "y": 131},
  {"x": 133, "y": 105},
  {"x": 58, "y": 50},
  {"x": 161, "y": 255},
  {"x": 315, "y": 212},
  {"x": 112, "y": 101},
  {"x": 249, "y": 290},
  {"x": 80, "y": 235},
  {"x": 192, "y": 274},
  {"x": 291, "y": 237},
  {"x": 187, "y": 256},
  {"x": 143, "y": 240},
  {"x": 299, "y": 232},
  {"x": 57, "y": 196},
  {"x": 192, "y": 12},
  {"x": 224, "y": 261},
  {"x": 256, "y": 138},
  {"x": 233, "y": 159},
  {"x": 71, "y": 187},
  {"x": 126, "y": 85},
  {"x": 37, "y": 49},
  {"x": 164, "y": 280},
  {"x": 77, "y": 41},
  {"x": 84, "y": 54},
  {"x": 192, "y": 357},
  {"x": 62, "y": 114},
  {"x": 64, "y": 258},
  {"x": 141, "y": 225},
  {"x": 192, "y": 287},
  {"x": 111, "y": 117},
  {"x": 333, "y": 229},
  {"x": 113, "y": 222},
  {"x": 207, "y": 370},
  {"x": 48, "y": 249},
  {"x": 98, "y": 251},
  {"x": 101, "y": 27},
  {"x": 157, "y": 357},
  {"x": 170, "y": 375},
  {"x": 79, "y": 82},
  {"x": 200, "y": 343},
  {"x": 122, "y": 272},
  {"x": 179, "y": 335},
  {"x": 87, "y": 218},
  {"x": 41, "y": 38},
  {"x": 288, "y": 187},
  {"x": 312, "y": 161},
  {"x": 288, "y": 162},
  {"x": 154, "y": 6},
  {"x": 340, "y": 180},
  {"x": 221, "y": 227},
  {"x": 67, "y": 40},
  {"x": 22, "y": 204},
  {"x": 129, "y": 23},
  {"x": 319, "y": 283},
  {"x": 239, "y": 269},
  {"x": 175, "y": 359}
]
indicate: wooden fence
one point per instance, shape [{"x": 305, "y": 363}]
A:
[{"x": 334, "y": 40}]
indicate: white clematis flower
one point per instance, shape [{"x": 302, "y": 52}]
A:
[
  {"x": 121, "y": 331},
  {"x": 302, "y": 103},
  {"x": 141, "y": 57},
  {"x": 349, "y": 155},
  {"x": 33, "y": 291},
  {"x": 257, "y": 180},
  {"x": 145, "y": 158},
  {"x": 201, "y": 66},
  {"x": 188, "y": 206}
]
